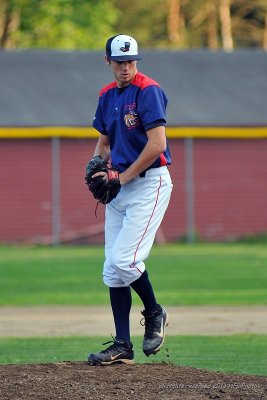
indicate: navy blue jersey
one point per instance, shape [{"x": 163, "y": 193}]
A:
[{"x": 125, "y": 114}]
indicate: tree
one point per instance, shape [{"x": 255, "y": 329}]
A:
[
  {"x": 145, "y": 20},
  {"x": 175, "y": 23},
  {"x": 62, "y": 24},
  {"x": 212, "y": 25},
  {"x": 83, "y": 24},
  {"x": 248, "y": 22},
  {"x": 226, "y": 25},
  {"x": 202, "y": 23},
  {"x": 9, "y": 20},
  {"x": 265, "y": 33}
]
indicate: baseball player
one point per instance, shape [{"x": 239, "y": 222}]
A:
[{"x": 131, "y": 120}]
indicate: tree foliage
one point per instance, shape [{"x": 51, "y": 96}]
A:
[
  {"x": 84, "y": 24},
  {"x": 61, "y": 24}
]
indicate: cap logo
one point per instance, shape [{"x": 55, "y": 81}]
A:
[{"x": 126, "y": 47}]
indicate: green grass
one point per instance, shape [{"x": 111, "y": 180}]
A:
[
  {"x": 244, "y": 354},
  {"x": 213, "y": 274}
]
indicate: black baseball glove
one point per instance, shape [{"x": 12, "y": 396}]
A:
[{"x": 104, "y": 190}]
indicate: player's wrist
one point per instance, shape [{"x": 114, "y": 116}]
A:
[{"x": 123, "y": 178}]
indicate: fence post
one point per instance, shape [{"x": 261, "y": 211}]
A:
[
  {"x": 55, "y": 151},
  {"x": 189, "y": 190}
]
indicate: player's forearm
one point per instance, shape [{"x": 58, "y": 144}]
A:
[
  {"x": 102, "y": 148},
  {"x": 155, "y": 146},
  {"x": 142, "y": 163}
]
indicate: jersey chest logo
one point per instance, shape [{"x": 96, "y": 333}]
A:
[{"x": 130, "y": 116}]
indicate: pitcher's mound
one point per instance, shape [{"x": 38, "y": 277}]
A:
[{"x": 77, "y": 381}]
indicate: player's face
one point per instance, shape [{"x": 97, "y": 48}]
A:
[{"x": 124, "y": 71}]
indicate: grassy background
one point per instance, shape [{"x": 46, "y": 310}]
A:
[
  {"x": 181, "y": 275},
  {"x": 237, "y": 353},
  {"x": 203, "y": 274}
]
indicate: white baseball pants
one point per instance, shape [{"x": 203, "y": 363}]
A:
[{"x": 132, "y": 220}]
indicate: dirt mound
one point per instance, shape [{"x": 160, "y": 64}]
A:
[{"x": 77, "y": 381}]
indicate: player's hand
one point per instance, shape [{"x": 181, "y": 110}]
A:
[
  {"x": 102, "y": 173},
  {"x": 102, "y": 180}
]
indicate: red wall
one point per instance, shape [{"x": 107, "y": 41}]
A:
[
  {"x": 230, "y": 190},
  {"x": 25, "y": 189},
  {"x": 230, "y": 187}
]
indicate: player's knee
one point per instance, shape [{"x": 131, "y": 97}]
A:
[{"x": 120, "y": 261}]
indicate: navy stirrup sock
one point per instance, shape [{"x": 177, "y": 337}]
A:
[
  {"x": 121, "y": 302},
  {"x": 143, "y": 288}
]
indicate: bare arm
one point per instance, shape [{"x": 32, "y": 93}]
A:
[
  {"x": 102, "y": 147},
  {"x": 155, "y": 146}
]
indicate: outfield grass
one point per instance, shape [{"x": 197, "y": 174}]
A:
[
  {"x": 182, "y": 275},
  {"x": 244, "y": 354},
  {"x": 209, "y": 274}
]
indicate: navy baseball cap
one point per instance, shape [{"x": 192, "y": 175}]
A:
[{"x": 122, "y": 48}]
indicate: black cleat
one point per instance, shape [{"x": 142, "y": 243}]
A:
[
  {"x": 155, "y": 325},
  {"x": 119, "y": 352}
]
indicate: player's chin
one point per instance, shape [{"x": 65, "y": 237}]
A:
[{"x": 125, "y": 78}]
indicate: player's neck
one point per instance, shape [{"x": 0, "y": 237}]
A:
[{"x": 122, "y": 84}]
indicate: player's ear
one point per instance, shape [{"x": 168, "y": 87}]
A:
[{"x": 107, "y": 61}]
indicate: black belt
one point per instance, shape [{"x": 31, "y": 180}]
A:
[{"x": 143, "y": 174}]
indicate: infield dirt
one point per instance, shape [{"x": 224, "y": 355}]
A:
[
  {"x": 70, "y": 320},
  {"x": 78, "y": 381}
]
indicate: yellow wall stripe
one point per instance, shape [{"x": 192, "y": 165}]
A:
[
  {"x": 48, "y": 132},
  {"x": 218, "y": 132},
  {"x": 172, "y": 132}
]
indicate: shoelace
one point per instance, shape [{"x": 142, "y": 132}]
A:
[
  {"x": 114, "y": 345},
  {"x": 111, "y": 347},
  {"x": 96, "y": 211}
]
